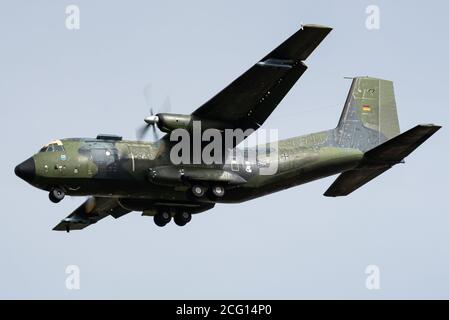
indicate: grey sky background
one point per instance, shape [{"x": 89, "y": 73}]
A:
[{"x": 56, "y": 83}]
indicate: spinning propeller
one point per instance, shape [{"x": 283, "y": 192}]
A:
[{"x": 152, "y": 120}]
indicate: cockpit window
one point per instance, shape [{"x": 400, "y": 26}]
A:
[
  {"x": 52, "y": 147},
  {"x": 57, "y": 148}
]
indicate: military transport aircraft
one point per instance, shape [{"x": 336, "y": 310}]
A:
[{"x": 123, "y": 176}]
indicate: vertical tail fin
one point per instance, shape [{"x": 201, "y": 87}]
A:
[
  {"x": 369, "y": 122},
  {"x": 369, "y": 117}
]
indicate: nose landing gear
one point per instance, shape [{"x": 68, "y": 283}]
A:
[{"x": 56, "y": 195}]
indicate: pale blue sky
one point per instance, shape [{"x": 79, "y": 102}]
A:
[{"x": 56, "y": 83}]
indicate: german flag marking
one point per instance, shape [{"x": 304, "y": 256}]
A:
[{"x": 366, "y": 108}]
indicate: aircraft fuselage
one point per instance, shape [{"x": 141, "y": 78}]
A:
[{"x": 108, "y": 168}]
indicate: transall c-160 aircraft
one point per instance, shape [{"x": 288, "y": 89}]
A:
[{"x": 123, "y": 176}]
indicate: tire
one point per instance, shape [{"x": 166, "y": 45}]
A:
[
  {"x": 162, "y": 218},
  {"x": 198, "y": 191},
  {"x": 182, "y": 218},
  {"x": 218, "y": 191},
  {"x": 56, "y": 195}
]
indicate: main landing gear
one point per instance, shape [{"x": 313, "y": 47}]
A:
[
  {"x": 198, "y": 190},
  {"x": 216, "y": 191},
  {"x": 182, "y": 218},
  {"x": 163, "y": 217},
  {"x": 56, "y": 195}
]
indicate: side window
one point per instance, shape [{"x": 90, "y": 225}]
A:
[
  {"x": 50, "y": 148},
  {"x": 99, "y": 155}
]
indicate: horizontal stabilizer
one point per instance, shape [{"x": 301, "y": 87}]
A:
[
  {"x": 351, "y": 180},
  {"x": 399, "y": 147},
  {"x": 381, "y": 158}
]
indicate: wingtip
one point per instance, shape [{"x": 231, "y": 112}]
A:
[
  {"x": 431, "y": 125},
  {"x": 316, "y": 26},
  {"x": 330, "y": 194}
]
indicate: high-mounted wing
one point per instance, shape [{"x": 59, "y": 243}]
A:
[
  {"x": 250, "y": 99},
  {"x": 91, "y": 211}
]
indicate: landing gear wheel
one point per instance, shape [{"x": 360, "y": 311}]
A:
[
  {"x": 162, "y": 218},
  {"x": 56, "y": 195},
  {"x": 198, "y": 191},
  {"x": 182, "y": 218},
  {"x": 218, "y": 191}
]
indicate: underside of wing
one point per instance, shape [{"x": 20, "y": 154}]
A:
[
  {"x": 91, "y": 211},
  {"x": 248, "y": 101}
]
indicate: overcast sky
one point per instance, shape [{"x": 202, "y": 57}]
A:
[{"x": 57, "y": 83}]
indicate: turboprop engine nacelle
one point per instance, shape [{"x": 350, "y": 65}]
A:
[{"x": 167, "y": 122}]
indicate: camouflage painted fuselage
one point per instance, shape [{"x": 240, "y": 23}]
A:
[{"x": 121, "y": 168}]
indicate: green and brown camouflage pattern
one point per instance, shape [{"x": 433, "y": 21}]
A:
[
  {"x": 116, "y": 168},
  {"x": 122, "y": 170},
  {"x": 124, "y": 176}
]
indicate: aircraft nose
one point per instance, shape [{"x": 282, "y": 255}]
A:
[{"x": 26, "y": 170}]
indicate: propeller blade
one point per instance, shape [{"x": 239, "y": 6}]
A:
[
  {"x": 155, "y": 135},
  {"x": 147, "y": 95},
  {"x": 166, "y": 106},
  {"x": 141, "y": 131},
  {"x": 152, "y": 119}
]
